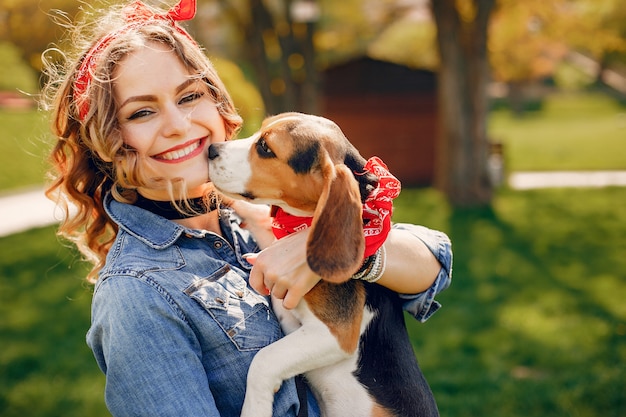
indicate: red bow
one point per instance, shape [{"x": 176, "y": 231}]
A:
[
  {"x": 136, "y": 14},
  {"x": 377, "y": 210}
]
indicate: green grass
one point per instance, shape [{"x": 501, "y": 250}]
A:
[
  {"x": 572, "y": 132},
  {"x": 534, "y": 323},
  {"x": 25, "y": 147},
  {"x": 46, "y": 368}
]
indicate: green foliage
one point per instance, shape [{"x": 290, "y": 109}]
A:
[
  {"x": 30, "y": 25},
  {"x": 406, "y": 42},
  {"x": 529, "y": 39},
  {"x": 572, "y": 132},
  {"x": 534, "y": 323},
  {"x": 345, "y": 29},
  {"x": 247, "y": 98},
  {"x": 15, "y": 74}
]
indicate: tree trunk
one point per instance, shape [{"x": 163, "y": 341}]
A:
[
  {"x": 261, "y": 23},
  {"x": 463, "y": 148},
  {"x": 298, "y": 94}
]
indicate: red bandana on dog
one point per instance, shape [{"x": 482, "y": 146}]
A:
[{"x": 377, "y": 210}]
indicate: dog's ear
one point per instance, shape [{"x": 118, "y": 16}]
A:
[{"x": 336, "y": 244}]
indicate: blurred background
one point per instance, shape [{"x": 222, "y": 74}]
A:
[{"x": 505, "y": 121}]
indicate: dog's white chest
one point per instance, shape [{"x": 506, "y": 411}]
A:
[{"x": 337, "y": 390}]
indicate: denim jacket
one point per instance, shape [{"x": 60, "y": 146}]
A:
[{"x": 175, "y": 325}]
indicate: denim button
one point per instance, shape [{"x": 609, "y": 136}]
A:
[{"x": 217, "y": 245}]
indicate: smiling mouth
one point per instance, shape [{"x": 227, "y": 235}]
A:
[{"x": 176, "y": 155}]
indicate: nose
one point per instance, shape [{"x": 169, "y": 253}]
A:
[
  {"x": 176, "y": 121},
  {"x": 214, "y": 151}
]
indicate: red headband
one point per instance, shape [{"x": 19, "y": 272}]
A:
[{"x": 136, "y": 15}]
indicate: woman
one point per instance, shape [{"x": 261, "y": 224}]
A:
[{"x": 175, "y": 322}]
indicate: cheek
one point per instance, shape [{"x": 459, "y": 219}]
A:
[
  {"x": 213, "y": 120},
  {"x": 135, "y": 137}
]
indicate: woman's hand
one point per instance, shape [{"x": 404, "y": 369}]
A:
[{"x": 282, "y": 270}]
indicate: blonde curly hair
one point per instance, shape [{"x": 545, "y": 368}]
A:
[{"x": 90, "y": 159}]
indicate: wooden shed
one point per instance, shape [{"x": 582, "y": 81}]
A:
[{"x": 386, "y": 110}]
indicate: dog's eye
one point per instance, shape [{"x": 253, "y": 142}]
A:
[{"x": 263, "y": 149}]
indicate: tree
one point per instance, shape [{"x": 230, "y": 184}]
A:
[
  {"x": 282, "y": 44},
  {"x": 278, "y": 43},
  {"x": 30, "y": 25},
  {"x": 540, "y": 27},
  {"x": 598, "y": 30},
  {"x": 548, "y": 33},
  {"x": 462, "y": 149}
]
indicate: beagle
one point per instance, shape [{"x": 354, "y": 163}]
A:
[{"x": 347, "y": 336}]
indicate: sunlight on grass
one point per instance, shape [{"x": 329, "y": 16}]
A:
[
  {"x": 46, "y": 369},
  {"x": 608, "y": 292},
  {"x": 549, "y": 323},
  {"x": 533, "y": 324}
]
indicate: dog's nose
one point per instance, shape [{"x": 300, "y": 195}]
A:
[{"x": 213, "y": 151}]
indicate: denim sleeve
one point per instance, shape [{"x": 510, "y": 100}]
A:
[
  {"x": 423, "y": 305},
  {"x": 148, "y": 353}
]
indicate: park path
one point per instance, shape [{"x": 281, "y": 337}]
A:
[
  {"x": 30, "y": 209},
  {"x": 26, "y": 210}
]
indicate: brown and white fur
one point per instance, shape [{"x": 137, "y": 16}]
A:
[{"x": 348, "y": 337}]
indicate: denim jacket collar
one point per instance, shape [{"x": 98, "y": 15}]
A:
[{"x": 152, "y": 229}]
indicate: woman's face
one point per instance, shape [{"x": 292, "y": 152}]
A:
[{"x": 168, "y": 117}]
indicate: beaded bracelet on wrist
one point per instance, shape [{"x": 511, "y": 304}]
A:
[{"x": 373, "y": 267}]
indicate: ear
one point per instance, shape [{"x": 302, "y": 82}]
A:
[{"x": 336, "y": 244}]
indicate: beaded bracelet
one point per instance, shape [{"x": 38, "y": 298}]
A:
[{"x": 373, "y": 267}]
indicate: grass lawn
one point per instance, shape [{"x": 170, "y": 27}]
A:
[
  {"x": 572, "y": 132},
  {"x": 46, "y": 368},
  {"x": 24, "y": 146},
  {"x": 534, "y": 323}
]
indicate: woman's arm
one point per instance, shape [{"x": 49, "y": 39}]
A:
[{"x": 411, "y": 266}]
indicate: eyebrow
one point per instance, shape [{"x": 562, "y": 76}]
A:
[{"x": 150, "y": 97}]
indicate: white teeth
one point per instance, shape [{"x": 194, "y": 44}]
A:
[{"x": 170, "y": 156}]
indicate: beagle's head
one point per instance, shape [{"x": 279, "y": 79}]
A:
[
  {"x": 305, "y": 165},
  {"x": 286, "y": 163}
]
